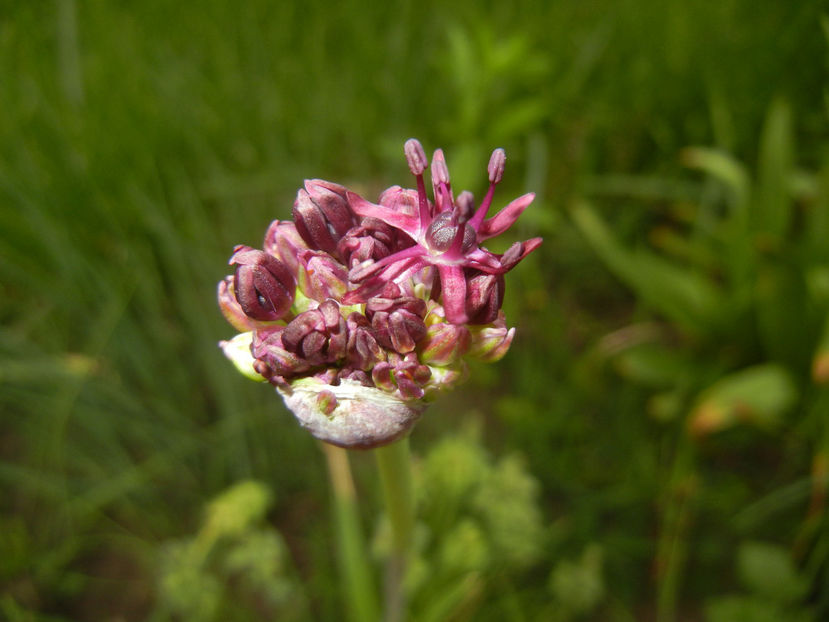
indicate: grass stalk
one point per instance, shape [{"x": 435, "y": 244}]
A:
[{"x": 394, "y": 466}]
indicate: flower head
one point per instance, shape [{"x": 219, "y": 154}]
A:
[{"x": 359, "y": 312}]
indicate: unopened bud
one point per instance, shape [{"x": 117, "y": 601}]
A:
[
  {"x": 399, "y": 330},
  {"x": 283, "y": 241},
  {"x": 275, "y": 361},
  {"x": 371, "y": 239},
  {"x": 444, "y": 343},
  {"x": 362, "y": 349},
  {"x": 230, "y": 307},
  {"x": 490, "y": 344},
  {"x": 331, "y": 199},
  {"x": 484, "y": 296},
  {"x": 322, "y": 216},
  {"x": 321, "y": 276},
  {"x": 263, "y": 285},
  {"x": 318, "y": 335}
]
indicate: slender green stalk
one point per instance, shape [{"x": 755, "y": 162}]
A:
[
  {"x": 394, "y": 465},
  {"x": 677, "y": 517},
  {"x": 356, "y": 572}
]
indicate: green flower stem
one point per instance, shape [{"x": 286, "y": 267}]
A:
[
  {"x": 394, "y": 465},
  {"x": 354, "y": 564}
]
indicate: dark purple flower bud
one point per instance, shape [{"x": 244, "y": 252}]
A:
[
  {"x": 399, "y": 330},
  {"x": 273, "y": 361},
  {"x": 484, "y": 296},
  {"x": 321, "y": 276},
  {"x": 362, "y": 349},
  {"x": 318, "y": 335},
  {"x": 409, "y": 375},
  {"x": 322, "y": 215},
  {"x": 397, "y": 320},
  {"x": 283, "y": 241},
  {"x": 371, "y": 239},
  {"x": 231, "y": 308},
  {"x": 263, "y": 285},
  {"x": 392, "y": 299}
]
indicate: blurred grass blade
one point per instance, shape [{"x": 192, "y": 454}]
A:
[
  {"x": 758, "y": 395},
  {"x": 768, "y": 569},
  {"x": 680, "y": 294},
  {"x": 782, "y": 306},
  {"x": 773, "y": 209},
  {"x": 722, "y": 167}
]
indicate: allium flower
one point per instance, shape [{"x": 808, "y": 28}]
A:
[{"x": 359, "y": 313}]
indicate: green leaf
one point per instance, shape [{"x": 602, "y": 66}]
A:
[
  {"x": 757, "y": 395},
  {"x": 749, "y": 609},
  {"x": 653, "y": 365},
  {"x": 578, "y": 586},
  {"x": 767, "y": 570},
  {"x": 772, "y": 205},
  {"x": 681, "y": 294},
  {"x": 784, "y": 314},
  {"x": 722, "y": 167},
  {"x": 236, "y": 509}
]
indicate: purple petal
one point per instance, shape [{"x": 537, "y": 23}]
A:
[
  {"x": 518, "y": 251},
  {"x": 376, "y": 283},
  {"x": 504, "y": 219},
  {"x": 453, "y": 286},
  {"x": 362, "y": 271},
  {"x": 406, "y": 222}
]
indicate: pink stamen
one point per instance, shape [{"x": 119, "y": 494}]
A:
[
  {"x": 480, "y": 213},
  {"x": 497, "y": 161},
  {"x": 423, "y": 203},
  {"x": 440, "y": 182},
  {"x": 416, "y": 159},
  {"x": 415, "y": 156},
  {"x": 495, "y": 169}
]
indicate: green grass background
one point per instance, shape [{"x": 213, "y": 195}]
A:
[{"x": 140, "y": 141}]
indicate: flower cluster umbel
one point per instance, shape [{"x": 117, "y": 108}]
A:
[{"x": 359, "y": 312}]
